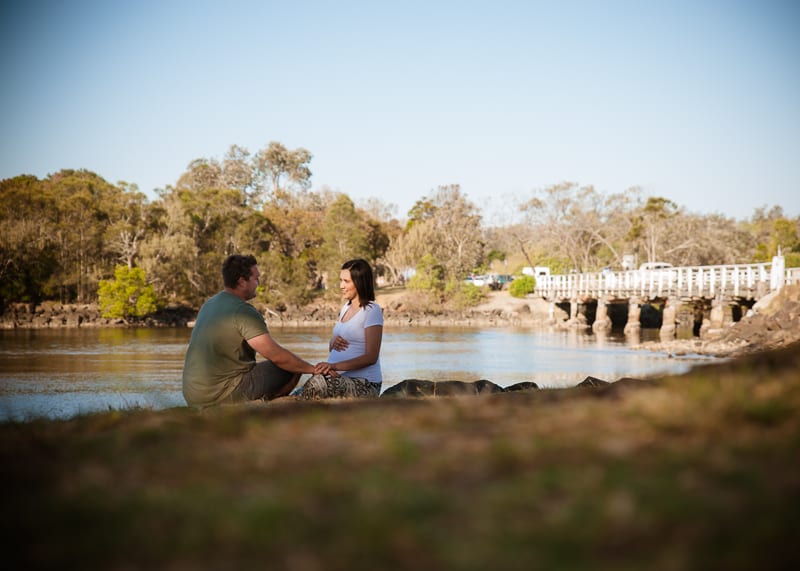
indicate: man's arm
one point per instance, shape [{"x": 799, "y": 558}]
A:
[{"x": 268, "y": 348}]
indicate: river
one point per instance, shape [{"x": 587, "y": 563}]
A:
[{"x": 62, "y": 373}]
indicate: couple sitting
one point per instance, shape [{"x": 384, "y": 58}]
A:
[{"x": 220, "y": 365}]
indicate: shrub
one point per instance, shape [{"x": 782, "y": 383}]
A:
[
  {"x": 522, "y": 286},
  {"x": 429, "y": 276},
  {"x": 463, "y": 295},
  {"x": 127, "y": 295}
]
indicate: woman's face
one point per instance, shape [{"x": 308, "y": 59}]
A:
[{"x": 347, "y": 286}]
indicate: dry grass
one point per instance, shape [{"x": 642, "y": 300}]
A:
[{"x": 700, "y": 471}]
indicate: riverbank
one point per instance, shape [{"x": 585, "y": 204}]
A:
[
  {"x": 400, "y": 309},
  {"x": 774, "y": 321},
  {"x": 695, "y": 471}
]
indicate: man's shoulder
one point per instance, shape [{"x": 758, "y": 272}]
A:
[{"x": 227, "y": 303}]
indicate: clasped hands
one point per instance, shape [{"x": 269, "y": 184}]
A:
[
  {"x": 325, "y": 369},
  {"x": 338, "y": 343}
]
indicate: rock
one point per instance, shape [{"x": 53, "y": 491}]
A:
[
  {"x": 592, "y": 382},
  {"x": 422, "y": 388},
  {"x": 523, "y": 386},
  {"x": 410, "y": 388}
]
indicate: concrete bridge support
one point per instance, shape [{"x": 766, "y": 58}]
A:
[
  {"x": 577, "y": 318},
  {"x": 633, "y": 326},
  {"x": 602, "y": 322},
  {"x": 669, "y": 319},
  {"x": 716, "y": 320}
]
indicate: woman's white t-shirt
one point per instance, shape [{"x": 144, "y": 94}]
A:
[{"x": 354, "y": 332}]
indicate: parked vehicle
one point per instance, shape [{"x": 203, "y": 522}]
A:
[
  {"x": 655, "y": 266},
  {"x": 494, "y": 281},
  {"x": 477, "y": 280}
]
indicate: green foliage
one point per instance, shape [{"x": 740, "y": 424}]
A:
[
  {"x": 429, "y": 276},
  {"x": 495, "y": 255},
  {"x": 127, "y": 295},
  {"x": 522, "y": 286},
  {"x": 59, "y": 235},
  {"x": 463, "y": 295},
  {"x": 793, "y": 260},
  {"x": 422, "y": 210}
]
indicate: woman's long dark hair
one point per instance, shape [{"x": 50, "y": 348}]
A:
[{"x": 361, "y": 274}]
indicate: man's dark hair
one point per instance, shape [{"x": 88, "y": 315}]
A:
[
  {"x": 361, "y": 274},
  {"x": 235, "y": 267}
]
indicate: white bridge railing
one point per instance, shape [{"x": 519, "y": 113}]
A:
[{"x": 743, "y": 281}]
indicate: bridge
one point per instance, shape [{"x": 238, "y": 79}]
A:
[{"x": 712, "y": 294}]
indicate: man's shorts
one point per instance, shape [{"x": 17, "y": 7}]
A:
[{"x": 262, "y": 382}]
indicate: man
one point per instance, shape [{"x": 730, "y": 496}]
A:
[{"x": 220, "y": 365}]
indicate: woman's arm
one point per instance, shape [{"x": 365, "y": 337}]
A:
[{"x": 373, "y": 336}]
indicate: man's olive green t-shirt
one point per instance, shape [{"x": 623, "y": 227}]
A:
[{"x": 218, "y": 353}]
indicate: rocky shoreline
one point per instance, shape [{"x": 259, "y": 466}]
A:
[
  {"x": 774, "y": 321},
  {"x": 53, "y": 315}
]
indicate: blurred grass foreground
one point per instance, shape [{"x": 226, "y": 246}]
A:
[{"x": 699, "y": 471}]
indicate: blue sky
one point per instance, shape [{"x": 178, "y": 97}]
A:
[{"x": 697, "y": 101}]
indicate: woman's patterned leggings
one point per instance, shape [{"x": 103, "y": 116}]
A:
[{"x": 327, "y": 387}]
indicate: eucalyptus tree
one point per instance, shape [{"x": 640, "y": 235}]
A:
[
  {"x": 705, "y": 240},
  {"x": 278, "y": 171},
  {"x": 344, "y": 236},
  {"x": 28, "y": 256},
  {"x": 167, "y": 252},
  {"x": 295, "y": 257},
  {"x": 772, "y": 231},
  {"x": 196, "y": 224},
  {"x": 83, "y": 200},
  {"x": 446, "y": 227},
  {"x": 127, "y": 224},
  {"x": 573, "y": 222},
  {"x": 653, "y": 222}
]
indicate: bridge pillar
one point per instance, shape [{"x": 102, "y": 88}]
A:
[
  {"x": 716, "y": 319},
  {"x": 602, "y": 323},
  {"x": 576, "y": 318},
  {"x": 669, "y": 317},
  {"x": 633, "y": 326},
  {"x": 551, "y": 313}
]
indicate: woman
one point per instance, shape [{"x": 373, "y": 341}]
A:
[{"x": 356, "y": 342}]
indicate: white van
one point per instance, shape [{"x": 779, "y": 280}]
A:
[{"x": 655, "y": 266}]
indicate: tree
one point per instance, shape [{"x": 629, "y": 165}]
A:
[
  {"x": 773, "y": 231},
  {"x": 652, "y": 224},
  {"x": 429, "y": 277},
  {"x": 28, "y": 254},
  {"x": 457, "y": 234},
  {"x": 277, "y": 170},
  {"x": 447, "y": 227},
  {"x": 127, "y": 212},
  {"x": 573, "y": 222},
  {"x": 423, "y": 209},
  {"x": 83, "y": 202},
  {"x": 126, "y": 296},
  {"x": 343, "y": 233}
]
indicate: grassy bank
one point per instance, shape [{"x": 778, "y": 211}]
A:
[{"x": 700, "y": 471}]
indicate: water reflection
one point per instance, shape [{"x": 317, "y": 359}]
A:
[{"x": 61, "y": 373}]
